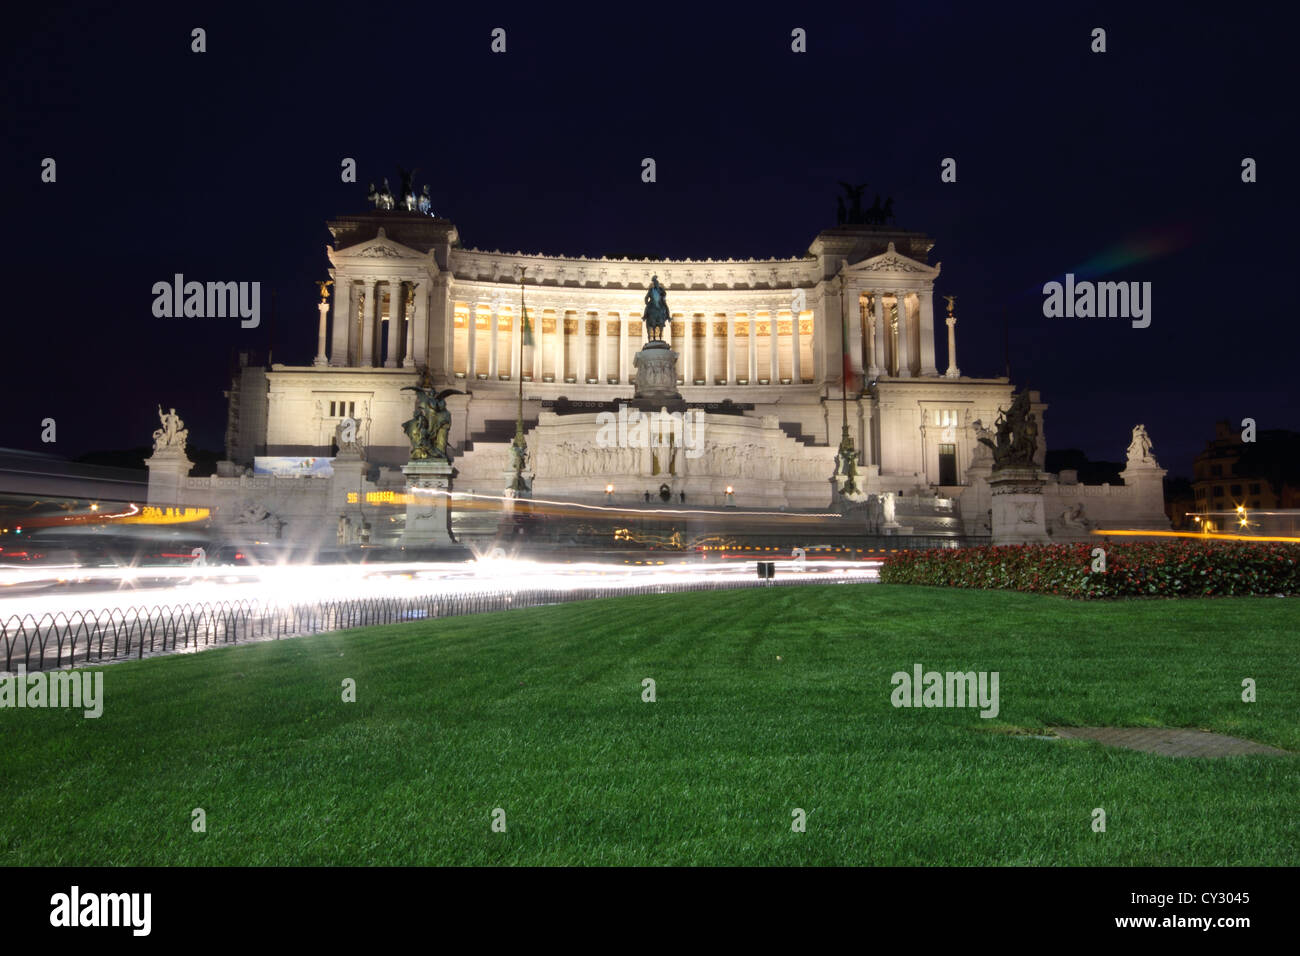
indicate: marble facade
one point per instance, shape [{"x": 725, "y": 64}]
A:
[{"x": 759, "y": 348}]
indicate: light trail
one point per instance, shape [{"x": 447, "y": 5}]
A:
[
  {"x": 126, "y": 589},
  {"x": 1201, "y": 535}
]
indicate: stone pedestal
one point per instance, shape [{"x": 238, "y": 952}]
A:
[
  {"x": 1147, "y": 479},
  {"x": 167, "y": 474},
  {"x": 1018, "y": 514},
  {"x": 656, "y": 378},
  {"x": 349, "y": 473},
  {"x": 428, "y": 517}
]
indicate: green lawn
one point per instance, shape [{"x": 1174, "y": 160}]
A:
[{"x": 539, "y": 712}]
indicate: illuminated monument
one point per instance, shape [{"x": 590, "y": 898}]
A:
[{"x": 759, "y": 350}]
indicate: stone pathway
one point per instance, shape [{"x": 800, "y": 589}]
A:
[{"x": 1169, "y": 742}]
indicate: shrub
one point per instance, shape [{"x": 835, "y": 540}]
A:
[{"x": 1160, "y": 569}]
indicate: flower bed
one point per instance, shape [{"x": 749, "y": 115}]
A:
[{"x": 1172, "y": 569}]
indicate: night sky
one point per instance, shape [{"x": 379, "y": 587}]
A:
[{"x": 225, "y": 166}]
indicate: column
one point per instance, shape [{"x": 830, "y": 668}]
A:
[
  {"x": 796, "y": 346},
  {"x": 492, "y": 356},
  {"x": 622, "y": 348},
  {"x": 709, "y": 318},
  {"x": 774, "y": 376},
  {"x": 926, "y": 321},
  {"x": 602, "y": 347},
  {"x": 580, "y": 366},
  {"x": 342, "y": 319},
  {"x": 854, "y": 296},
  {"x": 419, "y": 351},
  {"x": 904, "y": 337},
  {"x": 878, "y": 332},
  {"x": 733, "y": 327},
  {"x": 560, "y": 345},
  {"x": 539, "y": 342},
  {"x": 414, "y": 313},
  {"x": 753, "y": 348},
  {"x": 323, "y": 307},
  {"x": 471, "y": 327},
  {"x": 869, "y": 320},
  {"x": 688, "y": 347},
  {"x": 953, "y": 370},
  {"x": 369, "y": 312},
  {"x": 445, "y": 303},
  {"x": 396, "y": 306}
]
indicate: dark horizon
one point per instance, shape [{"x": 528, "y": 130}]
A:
[{"x": 1123, "y": 166}]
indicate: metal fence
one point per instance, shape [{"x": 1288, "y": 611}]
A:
[{"x": 55, "y": 640}]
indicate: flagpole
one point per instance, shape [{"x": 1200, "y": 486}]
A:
[
  {"x": 524, "y": 309},
  {"x": 848, "y": 455},
  {"x": 519, "y": 446}
]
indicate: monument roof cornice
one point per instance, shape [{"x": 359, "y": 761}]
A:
[
  {"x": 623, "y": 260},
  {"x": 890, "y": 263},
  {"x": 602, "y": 274},
  {"x": 378, "y": 252}
]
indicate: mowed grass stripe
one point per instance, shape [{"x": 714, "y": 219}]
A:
[{"x": 540, "y": 712}]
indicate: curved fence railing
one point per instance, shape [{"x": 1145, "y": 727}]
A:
[{"x": 63, "y": 638}]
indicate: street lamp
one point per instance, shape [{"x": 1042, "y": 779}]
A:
[{"x": 609, "y": 494}]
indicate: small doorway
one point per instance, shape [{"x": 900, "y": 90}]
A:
[{"x": 947, "y": 464}]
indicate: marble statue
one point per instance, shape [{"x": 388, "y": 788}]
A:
[
  {"x": 345, "y": 436},
  {"x": 171, "y": 437},
  {"x": 985, "y": 440},
  {"x": 1139, "y": 448},
  {"x": 1075, "y": 518}
]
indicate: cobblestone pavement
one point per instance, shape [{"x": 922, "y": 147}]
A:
[{"x": 1169, "y": 742}]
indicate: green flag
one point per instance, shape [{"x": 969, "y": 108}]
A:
[{"x": 527, "y": 329}]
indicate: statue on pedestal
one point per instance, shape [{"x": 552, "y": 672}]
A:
[
  {"x": 1017, "y": 435},
  {"x": 430, "y": 427},
  {"x": 855, "y": 215},
  {"x": 656, "y": 314},
  {"x": 407, "y": 194},
  {"x": 1139, "y": 449},
  {"x": 171, "y": 437},
  {"x": 345, "y": 437}
]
